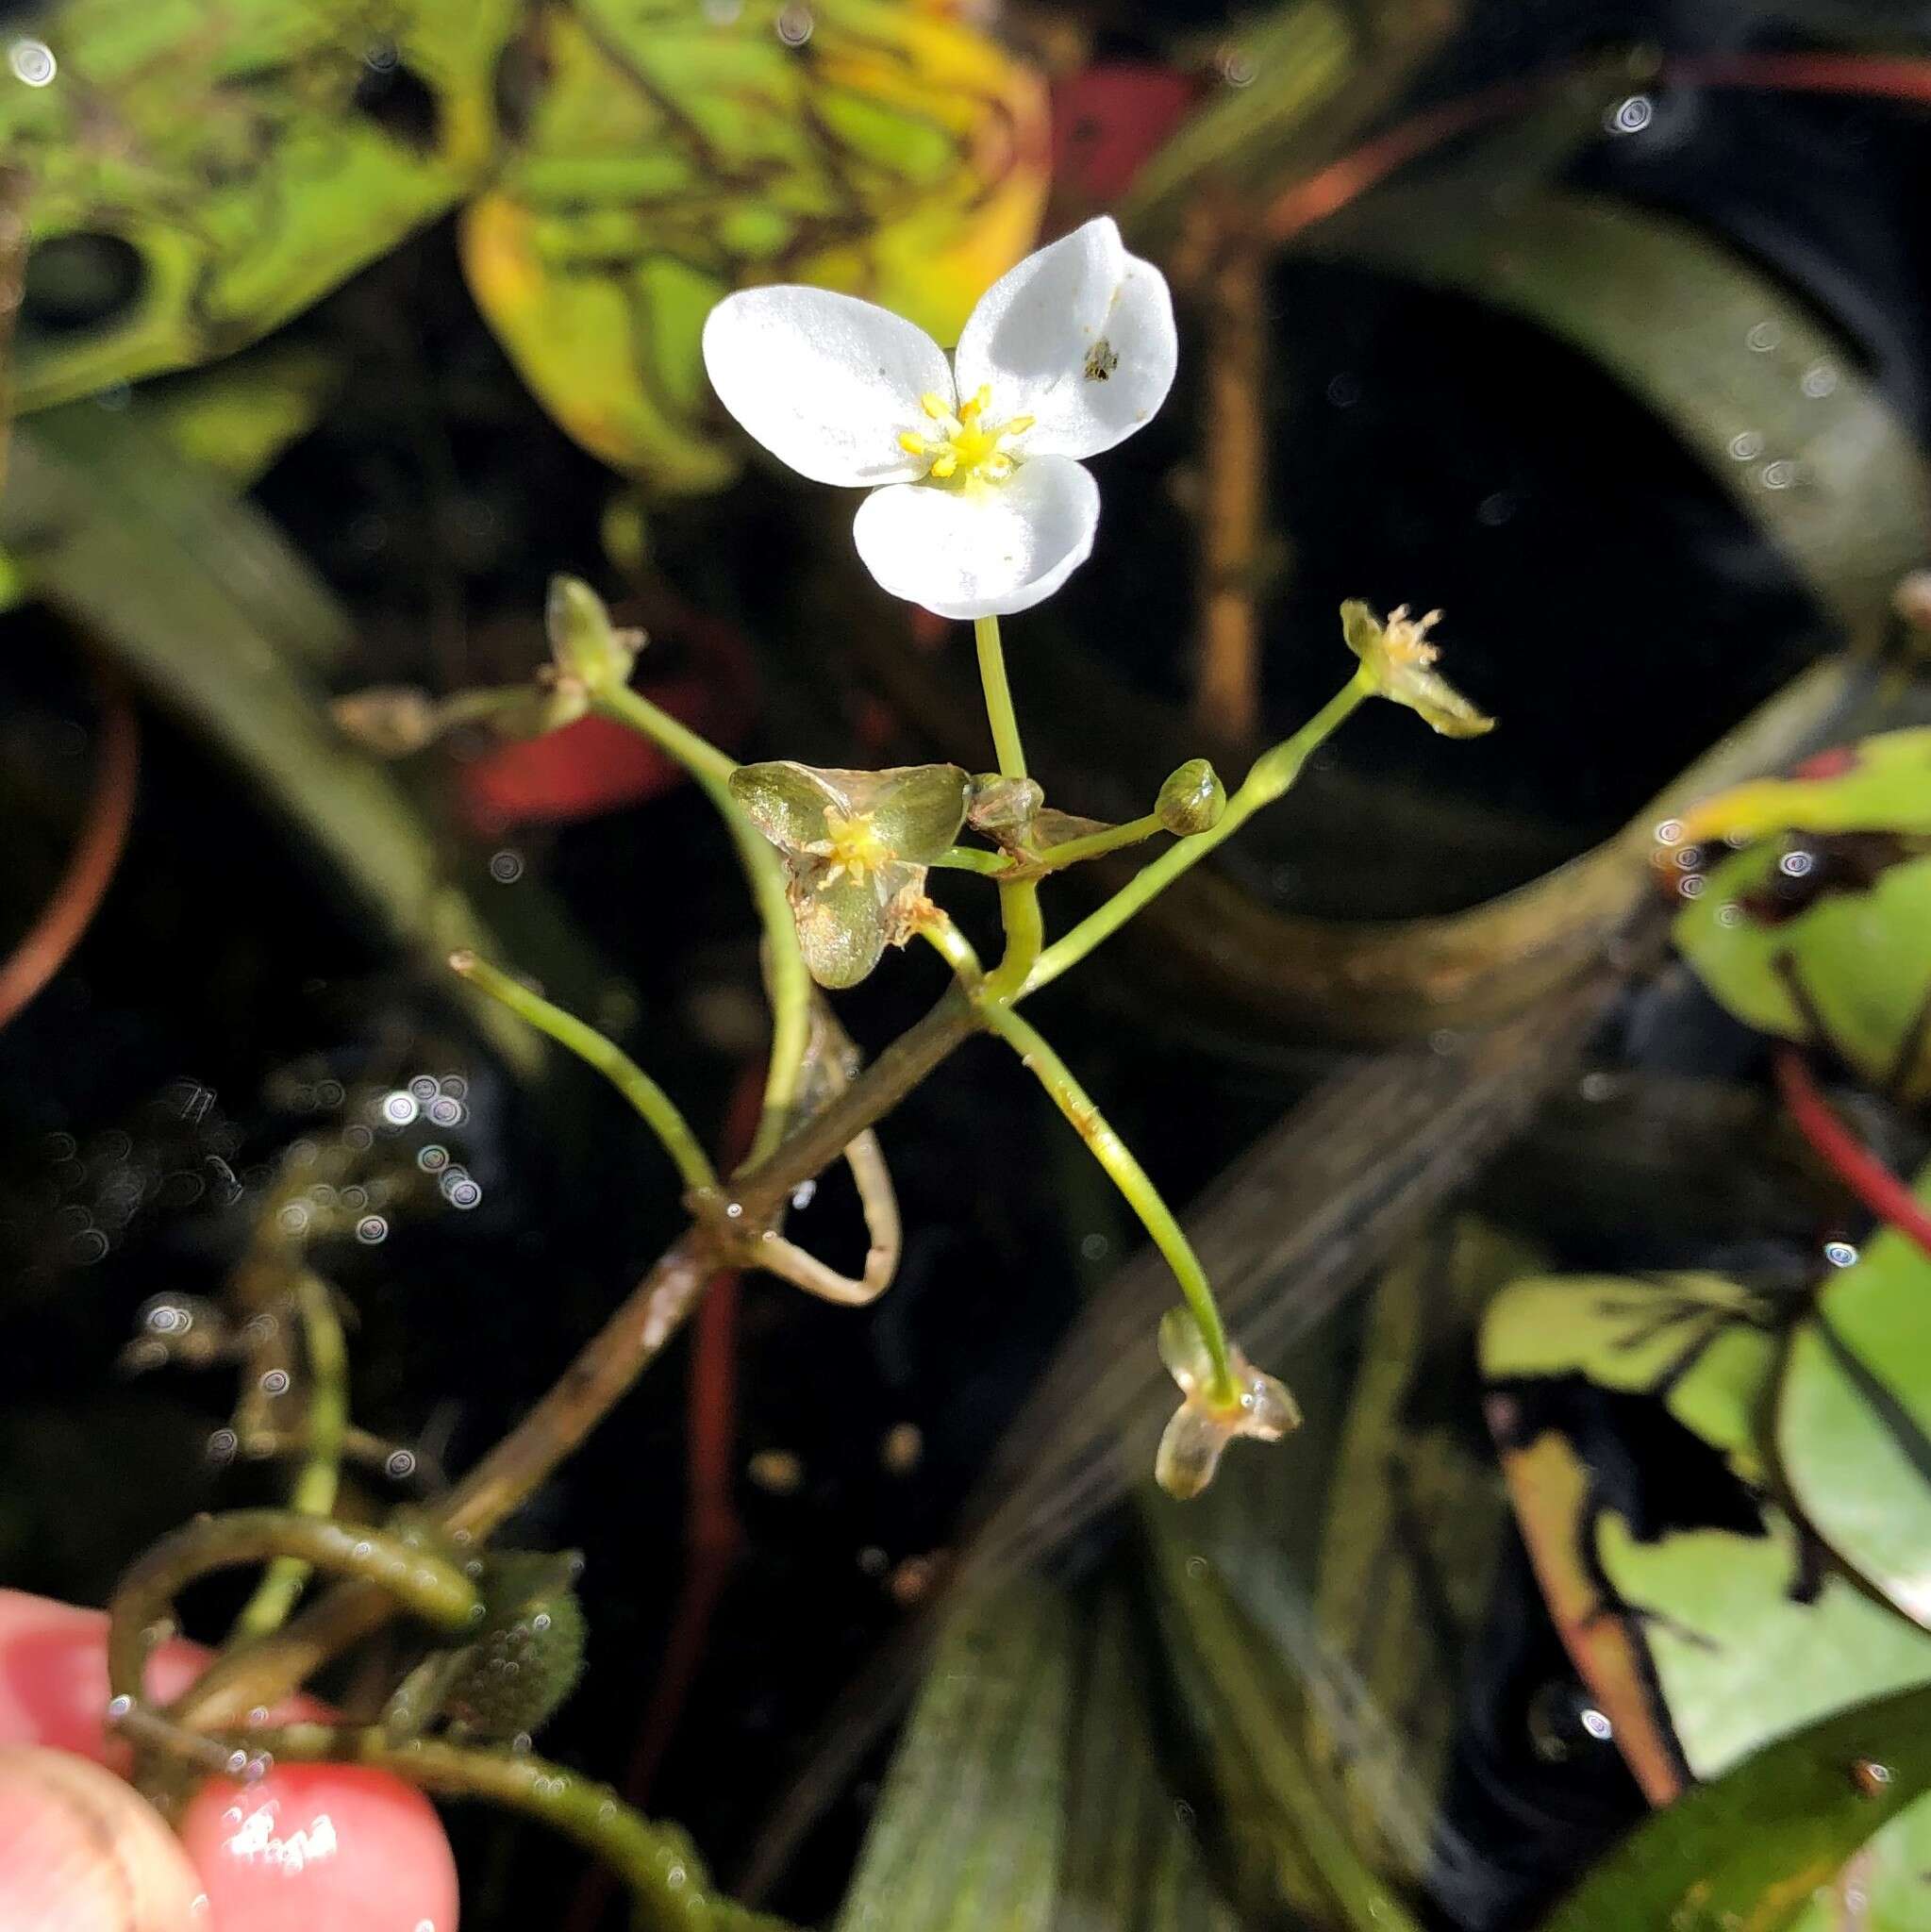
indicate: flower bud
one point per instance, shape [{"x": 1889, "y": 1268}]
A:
[
  {"x": 585, "y": 644},
  {"x": 1192, "y": 800}
]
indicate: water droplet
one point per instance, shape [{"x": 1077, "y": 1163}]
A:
[
  {"x": 1630, "y": 115},
  {"x": 118, "y": 1708},
  {"x": 401, "y": 1464},
  {"x": 398, "y": 1109},
  {"x": 1840, "y": 1254},
  {"x": 370, "y": 1230},
  {"x": 506, "y": 867},
  {"x": 32, "y": 62},
  {"x": 1764, "y": 337},
  {"x": 1746, "y": 445}
]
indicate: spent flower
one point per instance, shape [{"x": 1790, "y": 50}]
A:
[
  {"x": 978, "y": 503},
  {"x": 1204, "y": 1423},
  {"x": 857, "y": 846},
  {"x": 1400, "y": 658}
]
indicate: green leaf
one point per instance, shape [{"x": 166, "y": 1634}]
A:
[
  {"x": 1824, "y": 940},
  {"x": 1750, "y": 1853},
  {"x": 1853, "y": 1414},
  {"x": 1717, "y": 349}
]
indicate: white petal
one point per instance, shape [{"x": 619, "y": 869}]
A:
[
  {"x": 1080, "y": 335},
  {"x": 986, "y": 550},
  {"x": 826, "y": 383}
]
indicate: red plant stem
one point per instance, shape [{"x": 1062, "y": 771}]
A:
[
  {"x": 45, "y": 947},
  {"x": 1847, "y": 1157},
  {"x": 712, "y": 1534}
]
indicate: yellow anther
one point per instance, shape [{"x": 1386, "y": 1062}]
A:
[{"x": 964, "y": 444}]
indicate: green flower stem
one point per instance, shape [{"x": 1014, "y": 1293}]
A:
[
  {"x": 999, "y": 712},
  {"x": 326, "y": 1426},
  {"x": 1126, "y": 1174},
  {"x": 937, "y": 929},
  {"x": 970, "y": 859},
  {"x": 402, "y": 1571},
  {"x": 1019, "y": 901},
  {"x": 667, "y": 1883},
  {"x": 1273, "y": 773},
  {"x": 1025, "y": 937},
  {"x": 787, "y": 976},
  {"x": 657, "y": 1108},
  {"x": 1094, "y": 845}
]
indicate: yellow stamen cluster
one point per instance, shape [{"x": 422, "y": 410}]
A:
[
  {"x": 965, "y": 445},
  {"x": 853, "y": 845},
  {"x": 1405, "y": 638}
]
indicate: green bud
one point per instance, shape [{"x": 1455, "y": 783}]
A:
[
  {"x": 586, "y": 645},
  {"x": 514, "y": 1677},
  {"x": 1192, "y": 800}
]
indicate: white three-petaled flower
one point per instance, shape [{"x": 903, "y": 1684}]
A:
[{"x": 978, "y": 503}]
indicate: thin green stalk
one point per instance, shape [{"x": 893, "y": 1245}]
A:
[
  {"x": 1273, "y": 773},
  {"x": 421, "y": 1582},
  {"x": 668, "y": 1883},
  {"x": 1094, "y": 844},
  {"x": 656, "y": 1107},
  {"x": 1025, "y": 937},
  {"x": 937, "y": 929},
  {"x": 970, "y": 859},
  {"x": 1126, "y": 1174},
  {"x": 1019, "y": 901},
  {"x": 326, "y": 1426},
  {"x": 998, "y": 713},
  {"x": 787, "y": 976}
]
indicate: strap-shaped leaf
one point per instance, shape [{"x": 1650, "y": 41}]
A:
[
  {"x": 1769, "y": 399},
  {"x": 1753, "y": 1850}
]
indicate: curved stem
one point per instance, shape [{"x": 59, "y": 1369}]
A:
[
  {"x": 656, "y": 1107},
  {"x": 1126, "y": 1174},
  {"x": 326, "y": 1426},
  {"x": 1273, "y": 773},
  {"x": 43, "y": 948},
  {"x": 421, "y": 1582},
  {"x": 937, "y": 929},
  {"x": 1846, "y": 1156},
  {"x": 789, "y": 980},
  {"x": 668, "y": 1884}
]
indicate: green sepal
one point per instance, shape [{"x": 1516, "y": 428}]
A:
[
  {"x": 915, "y": 810},
  {"x": 845, "y": 924},
  {"x": 587, "y": 646}
]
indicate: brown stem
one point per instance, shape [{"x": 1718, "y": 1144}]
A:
[{"x": 603, "y": 1369}]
